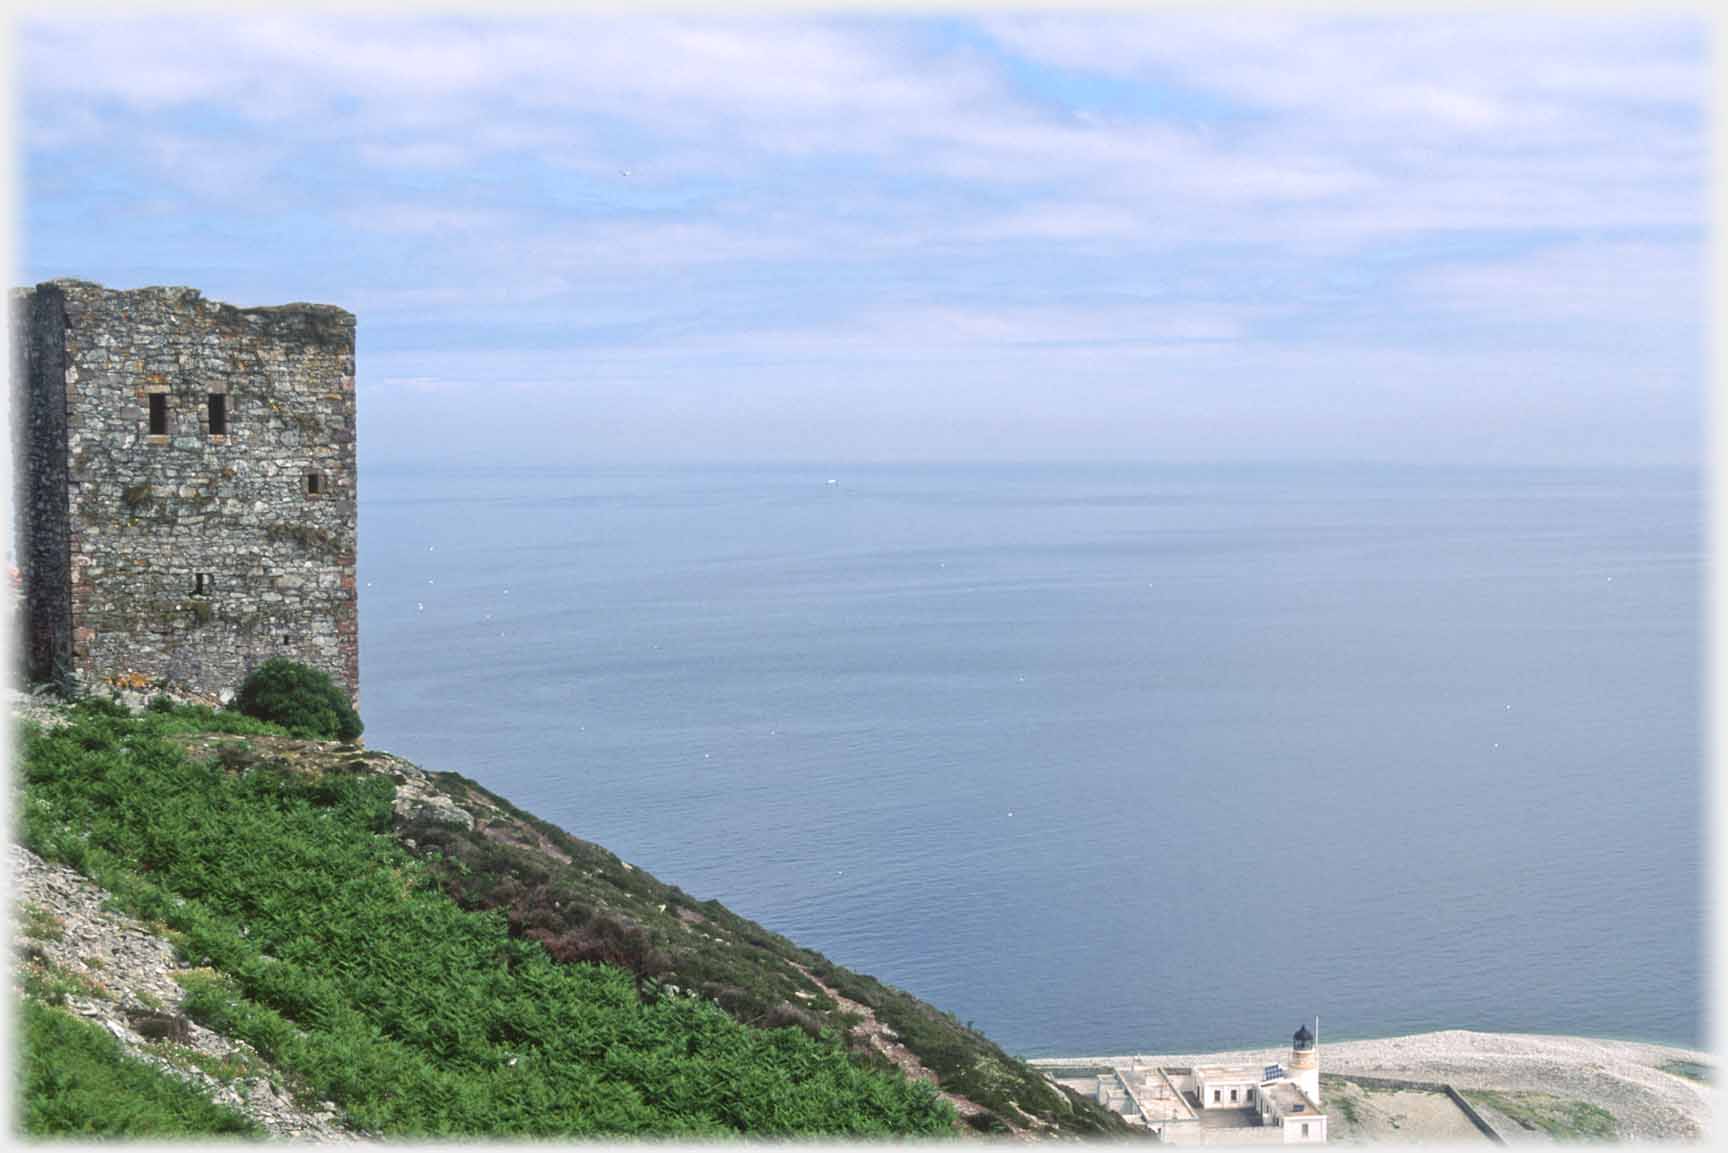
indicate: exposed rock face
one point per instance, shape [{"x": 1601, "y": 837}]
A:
[
  {"x": 416, "y": 796},
  {"x": 126, "y": 973},
  {"x": 886, "y": 1042},
  {"x": 187, "y": 491}
]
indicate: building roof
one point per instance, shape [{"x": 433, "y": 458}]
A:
[
  {"x": 1252, "y": 1073},
  {"x": 1290, "y": 1098}
]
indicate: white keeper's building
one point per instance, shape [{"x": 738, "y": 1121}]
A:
[{"x": 1209, "y": 1104}]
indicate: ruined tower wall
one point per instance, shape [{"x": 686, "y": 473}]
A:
[
  {"x": 149, "y": 514},
  {"x": 39, "y": 508}
]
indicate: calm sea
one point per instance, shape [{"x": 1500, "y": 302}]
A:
[{"x": 1099, "y": 758}]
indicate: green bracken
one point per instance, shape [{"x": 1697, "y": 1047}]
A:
[
  {"x": 753, "y": 972},
  {"x": 339, "y": 958},
  {"x": 77, "y": 1082}
]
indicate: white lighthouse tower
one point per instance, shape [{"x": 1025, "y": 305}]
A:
[{"x": 1305, "y": 1062}]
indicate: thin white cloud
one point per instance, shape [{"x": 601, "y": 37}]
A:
[
  {"x": 1513, "y": 116},
  {"x": 413, "y": 217},
  {"x": 1023, "y": 326},
  {"x": 1377, "y": 120},
  {"x": 1458, "y": 70},
  {"x": 844, "y": 194},
  {"x": 1258, "y": 400},
  {"x": 416, "y": 154},
  {"x": 196, "y": 165},
  {"x": 1624, "y": 286},
  {"x": 1060, "y": 221}
]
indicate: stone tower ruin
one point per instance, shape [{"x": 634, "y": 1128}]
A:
[{"x": 185, "y": 486}]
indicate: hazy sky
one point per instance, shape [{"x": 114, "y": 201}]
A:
[{"x": 1473, "y": 238}]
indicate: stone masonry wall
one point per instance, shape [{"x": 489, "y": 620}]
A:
[
  {"x": 149, "y": 514},
  {"x": 39, "y": 507}
]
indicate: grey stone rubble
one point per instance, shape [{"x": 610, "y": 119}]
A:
[
  {"x": 44, "y": 709},
  {"x": 416, "y": 798},
  {"x": 45, "y": 706},
  {"x": 134, "y": 968},
  {"x": 416, "y": 795},
  {"x": 887, "y": 1042}
]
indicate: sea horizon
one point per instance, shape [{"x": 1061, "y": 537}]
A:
[{"x": 814, "y": 637}]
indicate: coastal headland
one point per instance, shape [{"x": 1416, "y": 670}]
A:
[
  {"x": 237, "y": 930},
  {"x": 1529, "y": 1087}
]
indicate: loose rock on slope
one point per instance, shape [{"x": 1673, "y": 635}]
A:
[{"x": 127, "y": 973}]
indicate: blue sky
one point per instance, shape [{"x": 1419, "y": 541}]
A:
[{"x": 868, "y": 237}]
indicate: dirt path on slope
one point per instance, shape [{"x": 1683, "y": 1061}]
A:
[{"x": 884, "y": 1041}]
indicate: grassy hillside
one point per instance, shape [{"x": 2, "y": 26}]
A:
[
  {"x": 496, "y": 976},
  {"x": 583, "y": 901},
  {"x": 76, "y": 1081}
]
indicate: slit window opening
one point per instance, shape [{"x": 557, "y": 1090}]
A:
[
  {"x": 203, "y": 584},
  {"x": 158, "y": 414},
  {"x": 314, "y": 483},
  {"x": 218, "y": 414}
]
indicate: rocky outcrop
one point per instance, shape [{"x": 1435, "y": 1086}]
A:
[
  {"x": 113, "y": 970},
  {"x": 416, "y": 796}
]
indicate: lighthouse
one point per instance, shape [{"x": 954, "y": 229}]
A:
[{"x": 1305, "y": 1062}]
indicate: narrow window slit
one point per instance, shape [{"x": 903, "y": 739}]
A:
[
  {"x": 314, "y": 483},
  {"x": 203, "y": 584},
  {"x": 158, "y": 414},
  {"x": 218, "y": 414}
]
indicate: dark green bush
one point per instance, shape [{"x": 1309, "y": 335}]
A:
[{"x": 300, "y": 699}]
